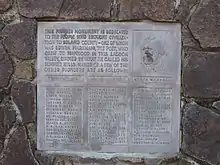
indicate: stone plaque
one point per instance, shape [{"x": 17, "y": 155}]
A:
[{"x": 109, "y": 87}]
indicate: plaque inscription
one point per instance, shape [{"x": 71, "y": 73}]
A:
[{"x": 109, "y": 87}]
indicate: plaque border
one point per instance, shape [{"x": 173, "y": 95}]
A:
[{"x": 173, "y": 149}]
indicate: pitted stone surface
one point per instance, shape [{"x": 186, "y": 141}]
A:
[
  {"x": 1, "y": 25},
  {"x": 216, "y": 104},
  {"x": 205, "y": 23},
  {"x": 20, "y": 39},
  {"x": 131, "y": 159},
  {"x": 128, "y": 163},
  {"x": 5, "y": 5},
  {"x": 152, "y": 161},
  {"x": 2, "y": 52},
  {"x": 68, "y": 163},
  {"x": 86, "y": 9},
  {"x": 23, "y": 94},
  {"x": 24, "y": 70},
  {"x": 6, "y": 67},
  {"x": 91, "y": 161},
  {"x": 18, "y": 151},
  {"x": 201, "y": 129},
  {"x": 44, "y": 159},
  {"x": 7, "y": 118},
  {"x": 201, "y": 74},
  {"x": 39, "y": 8},
  {"x": 11, "y": 16},
  {"x": 62, "y": 161},
  {"x": 159, "y": 10},
  {"x": 184, "y": 9},
  {"x": 32, "y": 134},
  {"x": 201, "y": 126},
  {"x": 188, "y": 39},
  {"x": 175, "y": 161}
]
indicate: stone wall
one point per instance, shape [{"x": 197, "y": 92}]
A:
[{"x": 200, "y": 126}]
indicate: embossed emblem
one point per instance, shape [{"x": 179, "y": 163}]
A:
[
  {"x": 148, "y": 50},
  {"x": 148, "y": 56}
]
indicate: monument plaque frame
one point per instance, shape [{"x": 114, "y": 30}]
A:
[{"x": 108, "y": 87}]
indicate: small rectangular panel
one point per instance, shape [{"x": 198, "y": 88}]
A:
[
  {"x": 107, "y": 117},
  {"x": 109, "y": 87},
  {"x": 63, "y": 115},
  {"x": 151, "y": 112}
]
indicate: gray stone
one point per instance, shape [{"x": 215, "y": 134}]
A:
[
  {"x": 11, "y": 16},
  {"x": 201, "y": 130},
  {"x": 24, "y": 70},
  {"x": 39, "y": 8},
  {"x": 5, "y": 5},
  {"x": 187, "y": 38},
  {"x": 84, "y": 9},
  {"x": 76, "y": 160},
  {"x": 32, "y": 134},
  {"x": 64, "y": 160},
  {"x": 44, "y": 159},
  {"x": 88, "y": 161},
  {"x": 20, "y": 39},
  {"x": 175, "y": 161},
  {"x": 1, "y": 145},
  {"x": 201, "y": 74},
  {"x": 184, "y": 10},
  {"x": 152, "y": 161},
  {"x": 1, "y": 25},
  {"x": 18, "y": 150},
  {"x": 184, "y": 162},
  {"x": 143, "y": 9},
  {"x": 130, "y": 159},
  {"x": 3, "y": 93},
  {"x": 205, "y": 24},
  {"x": 216, "y": 104},
  {"x": 23, "y": 94},
  {"x": 7, "y": 118},
  {"x": 128, "y": 163},
  {"x": 2, "y": 52},
  {"x": 6, "y": 67}
]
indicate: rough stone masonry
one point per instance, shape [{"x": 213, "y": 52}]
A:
[{"x": 200, "y": 126}]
